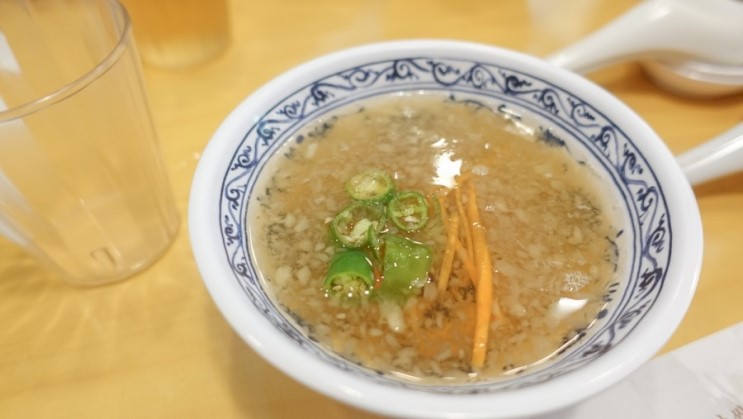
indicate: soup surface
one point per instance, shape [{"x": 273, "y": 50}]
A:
[{"x": 547, "y": 231}]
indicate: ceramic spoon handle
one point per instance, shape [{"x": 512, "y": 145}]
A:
[
  {"x": 715, "y": 158},
  {"x": 662, "y": 29}
]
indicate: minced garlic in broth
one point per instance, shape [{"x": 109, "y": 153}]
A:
[{"x": 549, "y": 237}]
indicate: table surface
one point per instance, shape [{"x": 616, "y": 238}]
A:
[{"x": 156, "y": 346}]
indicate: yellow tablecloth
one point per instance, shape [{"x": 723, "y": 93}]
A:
[{"x": 155, "y": 345}]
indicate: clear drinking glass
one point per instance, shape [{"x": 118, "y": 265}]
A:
[{"x": 83, "y": 185}]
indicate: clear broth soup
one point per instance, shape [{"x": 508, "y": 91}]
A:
[{"x": 548, "y": 228}]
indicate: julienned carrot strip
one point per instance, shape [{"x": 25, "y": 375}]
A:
[
  {"x": 465, "y": 223},
  {"x": 448, "y": 259},
  {"x": 466, "y": 261},
  {"x": 484, "y": 292},
  {"x": 484, "y": 298},
  {"x": 442, "y": 206}
]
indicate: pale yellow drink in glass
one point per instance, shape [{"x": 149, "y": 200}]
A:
[{"x": 179, "y": 33}]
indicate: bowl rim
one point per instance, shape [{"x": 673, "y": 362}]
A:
[{"x": 259, "y": 334}]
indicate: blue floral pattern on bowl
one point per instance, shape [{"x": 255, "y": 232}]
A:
[{"x": 647, "y": 235}]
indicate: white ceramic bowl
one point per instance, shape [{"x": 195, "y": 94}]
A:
[{"x": 659, "y": 253}]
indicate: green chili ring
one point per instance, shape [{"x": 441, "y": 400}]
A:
[
  {"x": 350, "y": 275},
  {"x": 370, "y": 185},
  {"x": 350, "y": 226},
  {"x": 408, "y": 210}
]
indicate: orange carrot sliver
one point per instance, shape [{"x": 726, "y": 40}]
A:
[
  {"x": 465, "y": 224},
  {"x": 484, "y": 298},
  {"x": 466, "y": 262},
  {"x": 448, "y": 258},
  {"x": 484, "y": 292},
  {"x": 442, "y": 207}
]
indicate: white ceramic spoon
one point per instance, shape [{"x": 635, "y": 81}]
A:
[{"x": 692, "y": 47}]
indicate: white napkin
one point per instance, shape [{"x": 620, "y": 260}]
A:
[{"x": 702, "y": 380}]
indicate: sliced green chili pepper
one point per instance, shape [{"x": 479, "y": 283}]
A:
[
  {"x": 352, "y": 224},
  {"x": 350, "y": 275},
  {"x": 408, "y": 210},
  {"x": 370, "y": 185},
  {"x": 375, "y": 244},
  {"x": 406, "y": 265}
]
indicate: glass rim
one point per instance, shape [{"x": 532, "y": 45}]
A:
[{"x": 69, "y": 89}]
